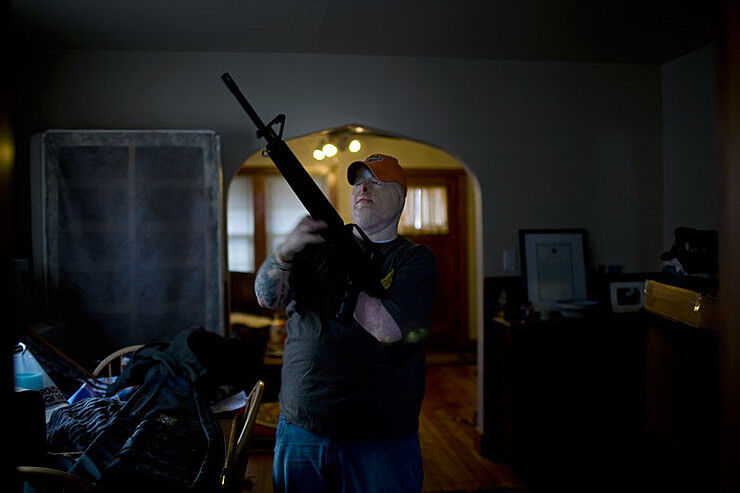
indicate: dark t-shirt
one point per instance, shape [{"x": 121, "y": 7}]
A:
[{"x": 337, "y": 379}]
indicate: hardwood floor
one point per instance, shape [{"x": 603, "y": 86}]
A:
[{"x": 447, "y": 434}]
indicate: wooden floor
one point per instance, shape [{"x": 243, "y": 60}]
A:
[{"x": 447, "y": 433}]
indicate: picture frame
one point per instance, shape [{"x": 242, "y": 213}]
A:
[
  {"x": 627, "y": 296},
  {"x": 553, "y": 265}
]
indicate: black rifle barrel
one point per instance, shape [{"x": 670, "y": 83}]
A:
[
  {"x": 310, "y": 195},
  {"x": 261, "y": 129},
  {"x": 362, "y": 260}
]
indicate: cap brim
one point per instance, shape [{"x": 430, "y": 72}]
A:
[{"x": 352, "y": 171}]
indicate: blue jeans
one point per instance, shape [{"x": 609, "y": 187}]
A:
[{"x": 312, "y": 463}]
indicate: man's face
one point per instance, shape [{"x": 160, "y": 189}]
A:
[{"x": 375, "y": 204}]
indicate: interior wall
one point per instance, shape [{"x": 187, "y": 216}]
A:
[
  {"x": 553, "y": 145},
  {"x": 690, "y": 147}
]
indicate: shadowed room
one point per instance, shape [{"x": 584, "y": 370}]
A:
[{"x": 572, "y": 167}]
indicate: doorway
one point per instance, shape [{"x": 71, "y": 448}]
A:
[{"x": 446, "y": 238}]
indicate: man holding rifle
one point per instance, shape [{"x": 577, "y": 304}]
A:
[{"x": 352, "y": 386}]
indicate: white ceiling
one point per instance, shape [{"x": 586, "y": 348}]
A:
[{"x": 567, "y": 30}]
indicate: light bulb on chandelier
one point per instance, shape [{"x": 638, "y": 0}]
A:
[
  {"x": 329, "y": 150},
  {"x": 332, "y": 144}
]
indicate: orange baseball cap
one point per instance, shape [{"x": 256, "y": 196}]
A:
[{"x": 385, "y": 168}]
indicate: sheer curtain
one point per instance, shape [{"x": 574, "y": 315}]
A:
[
  {"x": 283, "y": 210},
  {"x": 425, "y": 211},
  {"x": 240, "y": 224}
]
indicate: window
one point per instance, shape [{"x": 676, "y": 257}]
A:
[
  {"x": 425, "y": 212},
  {"x": 240, "y": 224},
  {"x": 262, "y": 210},
  {"x": 283, "y": 210}
]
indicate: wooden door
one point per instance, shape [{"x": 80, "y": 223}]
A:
[{"x": 449, "y": 327}]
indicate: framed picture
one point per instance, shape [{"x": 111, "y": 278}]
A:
[
  {"x": 553, "y": 265},
  {"x": 627, "y": 296}
]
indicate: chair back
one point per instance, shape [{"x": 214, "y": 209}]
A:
[
  {"x": 119, "y": 355},
  {"x": 41, "y": 477},
  {"x": 237, "y": 454}
]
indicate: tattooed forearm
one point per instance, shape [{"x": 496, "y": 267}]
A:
[{"x": 272, "y": 285}]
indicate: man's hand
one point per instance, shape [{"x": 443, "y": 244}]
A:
[
  {"x": 306, "y": 232},
  {"x": 272, "y": 284}
]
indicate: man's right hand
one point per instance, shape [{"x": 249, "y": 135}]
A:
[{"x": 306, "y": 232}]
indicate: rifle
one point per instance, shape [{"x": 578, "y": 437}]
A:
[{"x": 362, "y": 259}]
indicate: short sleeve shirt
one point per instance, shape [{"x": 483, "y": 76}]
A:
[{"x": 337, "y": 379}]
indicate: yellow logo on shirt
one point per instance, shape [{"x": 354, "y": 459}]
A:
[{"x": 387, "y": 280}]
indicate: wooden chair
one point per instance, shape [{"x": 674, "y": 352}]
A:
[
  {"x": 45, "y": 476},
  {"x": 240, "y": 433},
  {"x": 115, "y": 355}
]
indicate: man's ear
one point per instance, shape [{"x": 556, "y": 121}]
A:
[{"x": 402, "y": 192}]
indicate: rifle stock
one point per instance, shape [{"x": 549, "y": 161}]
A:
[{"x": 362, "y": 262}]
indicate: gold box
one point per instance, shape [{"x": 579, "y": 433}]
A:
[{"x": 681, "y": 304}]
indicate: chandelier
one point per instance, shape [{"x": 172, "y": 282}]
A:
[{"x": 332, "y": 143}]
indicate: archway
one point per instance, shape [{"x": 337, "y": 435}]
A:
[{"x": 425, "y": 164}]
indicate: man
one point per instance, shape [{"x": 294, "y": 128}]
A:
[{"x": 351, "y": 390}]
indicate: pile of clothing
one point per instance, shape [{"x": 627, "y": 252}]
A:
[{"x": 164, "y": 436}]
